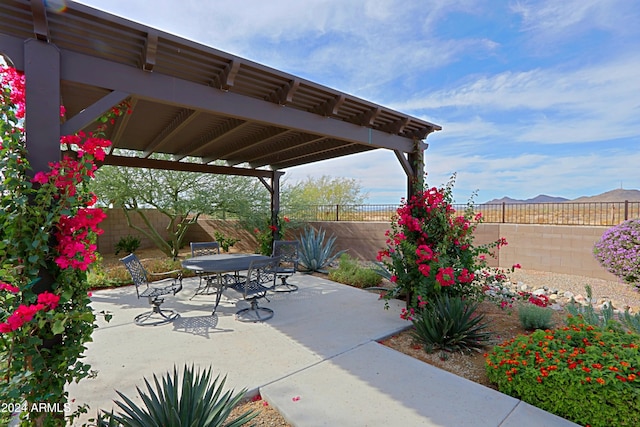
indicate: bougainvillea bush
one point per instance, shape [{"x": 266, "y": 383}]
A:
[
  {"x": 430, "y": 248},
  {"x": 618, "y": 250},
  {"x": 48, "y": 226},
  {"x": 584, "y": 373}
]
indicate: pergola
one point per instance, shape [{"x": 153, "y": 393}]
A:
[{"x": 210, "y": 111}]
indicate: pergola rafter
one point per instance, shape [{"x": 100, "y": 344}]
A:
[{"x": 195, "y": 103}]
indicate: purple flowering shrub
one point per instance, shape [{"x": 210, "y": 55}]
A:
[{"x": 618, "y": 250}]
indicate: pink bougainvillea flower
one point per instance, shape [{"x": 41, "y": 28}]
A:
[
  {"x": 48, "y": 299},
  {"x": 40, "y": 178},
  {"x": 296, "y": 398},
  {"x": 22, "y": 315},
  {"x": 9, "y": 288}
]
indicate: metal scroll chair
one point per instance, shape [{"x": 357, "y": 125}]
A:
[
  {"x": 261, "y": 278},
  {"x": 288, "y": 251},
  {"x": 200, "y": 249},
  {"x": 155, "y": 292}
]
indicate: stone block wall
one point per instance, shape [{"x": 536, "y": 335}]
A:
[
  {"x": 115, "y": 227},
  {"x": 552, "y": 248}
]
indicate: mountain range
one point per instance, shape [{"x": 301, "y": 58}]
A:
[{"x": 618, "y": 195}]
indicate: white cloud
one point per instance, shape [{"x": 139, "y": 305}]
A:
[
  {"x": 541, "y": 88},
  {"x": 557, "y": 20},
  {"x": 593, "y": 103}
]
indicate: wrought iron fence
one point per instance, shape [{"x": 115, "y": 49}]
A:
[
  {"x": 566, "y": 213},
  {"x": 379, "y": 213}
]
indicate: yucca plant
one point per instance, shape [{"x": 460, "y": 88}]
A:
[
  {"x": 315, "y": 253},
  {"x": 450, "y": 324},
  {"x": 194, "y": 401}
]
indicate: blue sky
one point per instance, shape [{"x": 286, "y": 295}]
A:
[{"x": 534, "y": 97}]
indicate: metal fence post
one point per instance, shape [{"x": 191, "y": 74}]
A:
[
  {"x": 626, "y": 210},
  {"x": 503, "y": 211},
  {"x": 337, "y": 212}
]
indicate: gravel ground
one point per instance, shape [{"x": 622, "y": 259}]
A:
[{"x": 622, "y": 295}]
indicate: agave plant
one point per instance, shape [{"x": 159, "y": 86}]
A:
[
  {"x": 315, "y": 254},
  {"x": 194, "y": 401},
  {"x": 449, "y": 324}
]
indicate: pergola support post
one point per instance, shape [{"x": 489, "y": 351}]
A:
[
  {"x": 275, "y": 203},
  {"x": 413, "y": 166},
  {"x": 42, "y": 86},
  {"x": 415, "y": 182},
  {"x": 274, "y": 189}
]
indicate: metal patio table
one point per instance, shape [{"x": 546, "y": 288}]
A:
[{"x": 219, "y": 265}]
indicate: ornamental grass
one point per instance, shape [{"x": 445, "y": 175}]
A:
[{"x": 583, "y": 373}]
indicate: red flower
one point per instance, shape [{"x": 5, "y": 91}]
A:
[
  {"x": 465, "y": 276},
  {"x": 424, "y": 269},
  {"x": 445, "y": 276}
]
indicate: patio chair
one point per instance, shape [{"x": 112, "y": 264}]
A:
[
  {"x": 200, "y": 249},
  {"x": 261, "y": 278},
  {"x": 288, "y": 252},
  {"x": 155, "y": 291}
]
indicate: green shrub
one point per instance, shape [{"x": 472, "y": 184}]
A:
[
  {"x": 450, "y": 324},
  {"x": 127, "y": 245},
  {"x": 315, "y": 253},
  {"x": 584, "y": 373},
  {"x": 193, "y": 401},
  {"x": 225, "y": 242},
  {"x": 351, "y": 272},
  {"x": 534, "y": 317}
]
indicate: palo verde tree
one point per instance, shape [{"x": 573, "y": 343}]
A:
[
  {"x": 325, "y": 190},
  {"x": 181, "y": 196}
]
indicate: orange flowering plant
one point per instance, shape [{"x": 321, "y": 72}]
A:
[{"x": 584, "y": 373}]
